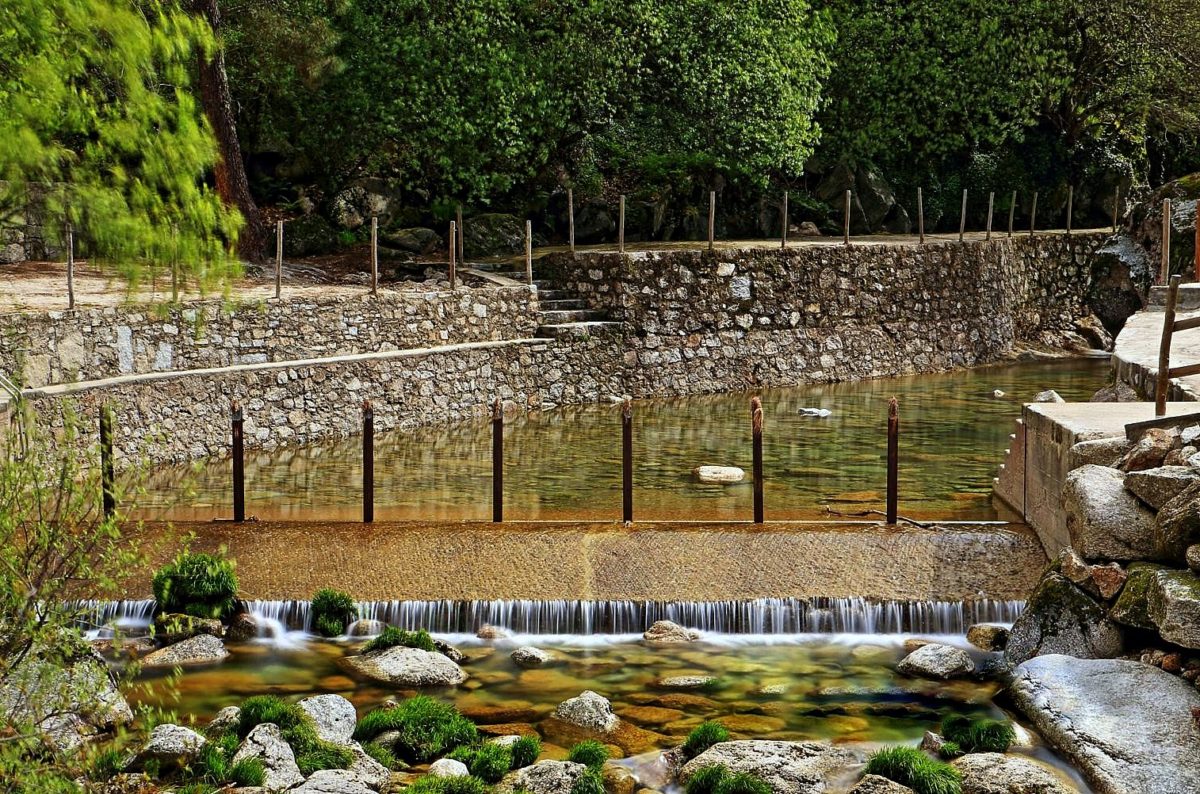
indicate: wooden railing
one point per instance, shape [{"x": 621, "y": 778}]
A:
[{"x": 1171, "y": 326}]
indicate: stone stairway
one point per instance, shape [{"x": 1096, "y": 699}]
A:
[{"x": 563, "y": 313}]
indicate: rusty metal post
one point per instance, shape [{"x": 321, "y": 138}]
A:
[
  {"x": 921, "y": 214},
  {"x": 453, "y": 246},
  {"x": 278, "y": 259},
  {"x": 239, "y": 464},
  {"x": 1033, "y": 215},
  {"x": 368, "y": 451},
  {"x": 462, "y": 256},
  {"x": 108, "y": 491},
  {"x": 962, "y": 218},
  {"x": 784, "y": 231},
  {"x": 846, "y": 220},
  {"x": 893, "y": 460},
  {"x": 712, "y": 218},
  {"x": 571, "y": 220},
  {"x": 627, "y": 461},
  {"x": 497, "y": 461},
  {"x": 756, "y": 425},
  {"x": 1070, "y": 207},
  {"x": 1163, "y": 380},
  {"x": 1012, "y": 212},
  {"x": 991, "y": 208},
  {"x": 621, "y": 226},
  {"x": 70, "y": 266},
  {"x": 374, "y": 256},
  {"x": 1165, "y": 271},
  {"x": 529, "y": 252}
]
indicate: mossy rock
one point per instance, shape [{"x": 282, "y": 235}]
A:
[
  {"x": 310, "y": 235},
  {"x": 1061, "y": 619},
  {"x": 1174, "y": 606},
  {"x": 1133, "y": 607}
]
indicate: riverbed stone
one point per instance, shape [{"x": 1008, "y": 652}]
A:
[
  {"x": 544, "y": 777},
  {"x": 1059, "y": 618},
  {"x": 489, "y": 632},
  {"x": 1000, "y": 773},
  {"x": 941, "y": 662},
  {"x": 448, "y": 767},
  {"x": 201, "y": 649},
  {"x": 225, "y": 720},
  {"x": 686, "y": 682},
  {"x": 877, "y": 784},
  {"x": 1158, "y": 486},
  {"x": 366, "y": 627},
  {"x": 787, "y": 767},
  {"x": 1178, "y": 525},
  {"x": 265, "y": 742},
  {"x": 988, "y": 636},
  {"x": 1149, "y": 451},
  {"x": 1048, "y": 396},
  {"x": 719, "y": 474},
  {"x": 69, "y": 702},
  {"x": 335, "y": 781},
  {"x": 243, "y": 627},
  {"x": 1174, "y": 606},
  {"x": 169, "y": 747},
  {"x": 333, "y": 715},
  {"x": 170, "y": 627},
  {"x": 528, "y": 657},
  {"x": 1106, "y": 521},
  {"x": 1128, "y": 727},
  {"x": 401, "y": 666},
  {"x": 667, "y": 632},
  {"x": 589, "y": 711}
]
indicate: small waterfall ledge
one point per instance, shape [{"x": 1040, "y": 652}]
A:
[{"x": 779, "y": 616}]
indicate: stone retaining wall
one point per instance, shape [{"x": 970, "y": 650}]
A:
[{"x": 90, "y": 344}]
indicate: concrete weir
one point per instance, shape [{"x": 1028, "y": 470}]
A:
[{"x": 602, "y": 561}]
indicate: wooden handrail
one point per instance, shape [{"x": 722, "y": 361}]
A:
[{"x": 1163, "y": 381}]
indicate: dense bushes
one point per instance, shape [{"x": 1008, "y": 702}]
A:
[
  {"x": 910, "y": 767},
  {"x": 428, "y": 728},
  {"x": 200, "y": 585},
  {"x": 332, "y": 612}
]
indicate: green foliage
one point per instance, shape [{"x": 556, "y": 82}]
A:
[
  {"x": 910, "y": 767},
  {"x": 247, "y": 773},
  {"x": 950, "y": 750},
  {"x": 427, "y": 727},
  {"x": 98, "y": 120},
  {"x": 590, "y": 753},
  {"x": 704, "y": 736},
  {"x": 525, "y": 751},
  {"x": 429, "y": 784},
  {"x": 488, "y": 761},
  {"x": 743, "y": 783},
  {"x": 391, "y": 636},
  {"x": 312, "y": 752},
  {"x": 201, "y": 585},
  {"x": 978, "y": 736},
  {"x": 589, "y": 782},
  {"x": 384, "y": 756},
  {"x": 332, "y": 611},
  {"x": 717, "y": 779},
  {"x": 107, "y": 763}
]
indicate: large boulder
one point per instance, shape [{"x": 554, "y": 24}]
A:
[
  {"x": 201, "y": 649},
  {"x": 403, "y": 666},
  {"x": 997, "y": 773},
  {"x": 243, "y": 628},
  {"x": 417, "y": 240},
  {"x": 590, "y": 711},
  {"x": 1104, "y": 519},
  {"x": 493, "y": 234},
  {"x": 1119, "y": 280},
  {"x": 666, "y": 632},
  {"x": 876, "y": 784},
  {"x": 1149, "y": 451},
  {"x": 169, "y": 747},
  {"x": 1132, "y": 607},
  {"x": 1128, "y": 727},
  {"x": 941, "y": 662},
  {"x": 1178, "y": 524},
  {"x": 334, "y": 781},
  {"x": 1059, "y": 618},
  {"x": 1158, "y": 486},
  {"x": 787, "y": 767},
  {"x": 544, "y": 777},
  {"x": 333, "y": 715},
  {"x": 1146, "y": 219},
  {"x": 1174, "y": 606},
  {"x": 265, "y": 742},
  {"x": 1098, "y": 451}
]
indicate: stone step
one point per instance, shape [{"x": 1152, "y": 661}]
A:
[
  {"x": 566, "y": 330},
  {"x": 560, "y": 304},
  {"x": 553, "y": 294},
  {"x": 556, "y": 317}
]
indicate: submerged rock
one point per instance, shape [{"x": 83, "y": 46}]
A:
[
  {"x": 686, "y": 682},
  {"x": 1059, "y": 618},
  {"x": 527, "y": 657},
  {"x": 1104, "y": 519},
  {"x": 407, "y": 667},
  {"x": 1128, "y": 727},
  {"x": 936, "y": 661},
  {"x": 1048, "y": 396},
  {"x": 719, "y": 474},
  {"x": 265, "y": 742},
  {"x": 667, "y": 631},
  {"x": 590, "y": 711},
  {"x": 998, "y": 773},
  {"x": 201, "y": 649},
  {"x": 787, "y": 767}
]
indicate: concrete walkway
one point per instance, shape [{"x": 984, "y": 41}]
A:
[{"x": 1135, "y": 354}]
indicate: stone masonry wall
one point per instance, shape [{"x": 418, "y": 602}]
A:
[
  {"x": 89, "y": 344},
  {"x": 736, "y": 319}
]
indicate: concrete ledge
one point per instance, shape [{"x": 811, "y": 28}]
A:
[
  {"x": 1135, "y": 355},
  {"x": 601, "y": 561}
]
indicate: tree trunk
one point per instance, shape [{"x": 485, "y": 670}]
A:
[{"x": 230, "y": 171}]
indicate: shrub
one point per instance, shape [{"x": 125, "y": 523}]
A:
[
  {"x": 910, "y": 767},
  {"x": 447, "y": 785},
  {"x": 704, "y": 736},
  {"x": 525, "y": 751},
  {"x": 107, "y": 763},
  {"x": 200, "y": 585},
  {"x": 383, "y": 756},
  {"x": 332, "y": 612},
  {"x": 978, "y": 736},
  {"x": 589, "y": 782},
  {"x": 590, "y": 753},
  {"x": 427, "y": 728},
  {"x": 487, "y": 761},
  {"x": 249, "y": 772},
  {"x": 391, "y": 636},
  {"x": 950, "y": 750},
  {"x": 312, "y": 752}
]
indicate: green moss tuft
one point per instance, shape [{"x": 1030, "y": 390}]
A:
[
  {"x": 247, "y": 773},
  {"x": 312, "y": 752},
  {"x": 384, "y": 756},
  {"x": 332, "y": 612},
  {"x": 589, "y": 782},
  {"x": 525, "y": 751},
  {"x": 977, "y": 736},
  {"x": 447, "y": 785},
  {"x": 428, "y": 728},
  {"x": 910, "y": 767},
  {"x": 488, "y": 761},
  {"x": 590, "y": 753},
  {"x": 707, "y": 779},
  {"x": 391, "y": 637},
  {"x": 704, "y": 736}
]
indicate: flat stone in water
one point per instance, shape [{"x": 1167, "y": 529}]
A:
[{"x": 686, "y": 682}]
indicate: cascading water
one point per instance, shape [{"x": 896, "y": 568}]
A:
[{"x": 100, "y": 618}]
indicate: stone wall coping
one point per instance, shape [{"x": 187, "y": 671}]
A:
[{"x": 385, "y": 355}]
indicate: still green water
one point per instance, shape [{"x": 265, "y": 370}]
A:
[{"x": 565, "y": 463}]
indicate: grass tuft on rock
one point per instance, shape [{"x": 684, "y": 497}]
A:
[
  {"x": 488, "y": 761},
  {"x": 247, "y": 773},
  {"x": 312, "y": 752},
  {"x": 384, "y": 756},
  {"x": 428, "y": 728},
  {"x": 590, "y": 753},
  {"x": 525, "y": 751},
  {"x": 200, "y": 585},
  {"x": 977, "y": 736},
  {"x": 430, "y": 784},
  {"x": 332, "y": 612},
  {"x": 589, "y": 782},
  {"x": 910, "y": 767},
  {"x": 704, "y": 736},
  {"x": 391, "y": 637},
  {"x": 717, "y": 779}
]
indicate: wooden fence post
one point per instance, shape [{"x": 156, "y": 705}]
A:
[
  {"x": 627, "y": 461},
  {"x": 1070, "y": 207},
  {"x": 1117, "y": 211},
  {"x": 1012, "y": 212},
  {"x": 1162, "y": 382},
  {"x": 1196, "y": 272},
  {"x": 621, "y": 226},
  {"x": 70, "y": 266},
  {"x": 462, "y": 256},
  {"x": 239, "y": 464},
  {"x": 921, "y": 214},
  {"x": 846, "y": 221},
  {"x": 1166, "y": 242},
  {"x": 893, "y": 460},
  {"x": 991, "y": 207},
  {"x": 529, "y": 252},
  {"x": 374, "y": 255},
  {"x": 497, "y": 461},
  {"x": 368, "y": 452},
  {"x": 1033, "y": 215},
  {"x": 962, "y": 220},
  {"x": 278, "y": 259},
  {"x": 451, "y": 253},
  {"x": 712, "y": 218},
  {"x": 756, "y": 427},
  {"x": 571, "y": 219},
  {"x": 108, "y": 491}
]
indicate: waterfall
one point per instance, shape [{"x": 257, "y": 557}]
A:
[{"x": 99, "y": 618}]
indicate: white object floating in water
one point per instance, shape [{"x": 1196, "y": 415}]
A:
[
  {"x": 719, "y": 474},
  {"x": 822, "y": 412},
  {"x": 997, "y": 394}
]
